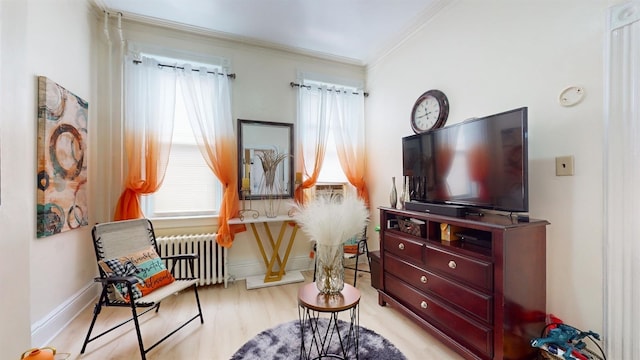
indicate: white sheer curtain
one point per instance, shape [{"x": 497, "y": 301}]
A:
[
  {"x": 313, "y": 133},
  {"x": 149, "y": 102},
  {"x": 346, "y": 111},
  {"x": 622, "y": 184},
  {"x": 208, "y": 102},
  {"x": 339, "y": 111}
]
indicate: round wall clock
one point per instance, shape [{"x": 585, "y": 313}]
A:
[{"x": 430, "y": 111}]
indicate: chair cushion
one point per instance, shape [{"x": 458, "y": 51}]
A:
[{"x": 146, "y": 265}]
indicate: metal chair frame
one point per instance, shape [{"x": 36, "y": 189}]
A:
[
  {"x": 363, "y": 249},
  {"x": 149, "y": 301}
]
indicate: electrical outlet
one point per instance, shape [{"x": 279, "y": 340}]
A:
[{"x": 564, "y": 165}]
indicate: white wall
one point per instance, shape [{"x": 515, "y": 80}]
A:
[
  {"x": 39, "y": 276},
  {"x": 17, "y": 207},
  {"x": 491, "y": 56}
]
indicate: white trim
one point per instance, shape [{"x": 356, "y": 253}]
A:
[
  {"x": 131, "y": 17},
  {"x": 307, "y": 76},
  {"x": 257, "y": 282},
  {"x": 623, "y": 15},
  {"x": 182, "y": 56},
  {"x": 421, "y": 21},
  {"x": 246, "y": 269},
  {"x": 47, "y": 328},
  {"x": 620, "y": 176}
]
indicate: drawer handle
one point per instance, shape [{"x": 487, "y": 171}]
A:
[
  {"x": 423, "y": 279},
  {"x": 452, "y": 264},
  {"x": 424, "y": 305},
  {"x": 401, "y": 246}
]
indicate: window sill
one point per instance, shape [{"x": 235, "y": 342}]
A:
[{"x": 161, "y": 223}]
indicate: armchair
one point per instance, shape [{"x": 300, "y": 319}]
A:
[{"x": 133, "y": 276}]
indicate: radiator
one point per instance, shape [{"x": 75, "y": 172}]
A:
[{"x": 209, "y": 268}]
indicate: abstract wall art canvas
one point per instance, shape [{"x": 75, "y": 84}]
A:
[{"x": 62, "y": 159}]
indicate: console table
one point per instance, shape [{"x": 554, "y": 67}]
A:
[
  {"x": 275, "y": 264},
  {"x": 320, "y": 333},
  {"x": 477, "y": 283}
]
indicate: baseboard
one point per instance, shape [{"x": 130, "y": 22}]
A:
[
  {"x": 47, "y": 328},
  {"x": 241, "y": 271},
  {"x": 44, "y": 330}
]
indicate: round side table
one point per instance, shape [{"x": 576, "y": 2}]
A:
[{"x": 318, "y": 332}]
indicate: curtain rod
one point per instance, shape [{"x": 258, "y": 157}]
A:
[
  {"x": 233, "y": 76},
  {"x": 309, "y": 87}
]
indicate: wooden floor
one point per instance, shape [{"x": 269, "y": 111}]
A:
[{"x": 232, "y": 316}]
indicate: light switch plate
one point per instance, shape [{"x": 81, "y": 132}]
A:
[{"x": 564, "y": 165}]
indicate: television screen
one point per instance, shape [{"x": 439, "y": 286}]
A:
[{"x": 480, "y": 162}]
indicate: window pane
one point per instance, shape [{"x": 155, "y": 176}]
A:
[
  {"x": 189, "y": 188},
  {"x": 189, "y": 185},
  {"x": 331, "y": 170}
]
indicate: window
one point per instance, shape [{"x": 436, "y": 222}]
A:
[
  {"x": 331, "y": 171},
  {"x": 189, "y": 188}
]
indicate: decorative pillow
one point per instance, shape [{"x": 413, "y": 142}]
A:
[
  {"x": 146, "y": 265},
  {"x": 351, "y": 245}
]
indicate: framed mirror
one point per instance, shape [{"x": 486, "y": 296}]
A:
[{"x": 265, "y": 145}]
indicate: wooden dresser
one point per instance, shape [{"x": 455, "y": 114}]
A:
[{"x": 483, "y": 295}]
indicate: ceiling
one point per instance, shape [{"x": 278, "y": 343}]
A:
[{"x": 356, "y": 31}]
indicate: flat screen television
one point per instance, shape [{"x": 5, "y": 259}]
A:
[{"x": 480, "y": 163}]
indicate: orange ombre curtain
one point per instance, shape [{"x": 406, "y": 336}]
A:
[
  {"x": 148, "y": 126},
  {"x": 346, "y": 111},
  {"x": 313, "y": 133},
  {"x": 208, "y": 103}
]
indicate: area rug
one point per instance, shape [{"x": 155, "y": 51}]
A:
[{"x": 283, "y": 342}]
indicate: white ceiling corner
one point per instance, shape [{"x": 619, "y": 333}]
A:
[{"x": 353, "y": 31}]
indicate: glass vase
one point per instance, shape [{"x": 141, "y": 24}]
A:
[
  {"x": 329, "y": 269},
  {"x": 271, "y": 194},
  {"x": 272, "y": 200}
]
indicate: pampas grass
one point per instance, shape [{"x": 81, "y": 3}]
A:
[{"x": 331, "y": 220}]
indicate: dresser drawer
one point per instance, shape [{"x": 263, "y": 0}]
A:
[
  {"x": 475, "y": 303},
  {"x": 403, "y": 247},
  {"x": 472, "y": 271},
  {"x": 473, "y": 335}
]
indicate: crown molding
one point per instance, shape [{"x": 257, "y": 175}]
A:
[
  {"x": 197, "y": 30},
  {"x": 421, "y": 20},
  {"x": 369, "y": 61}
]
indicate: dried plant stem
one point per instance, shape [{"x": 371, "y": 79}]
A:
[{"x": 270, "y": 161}]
